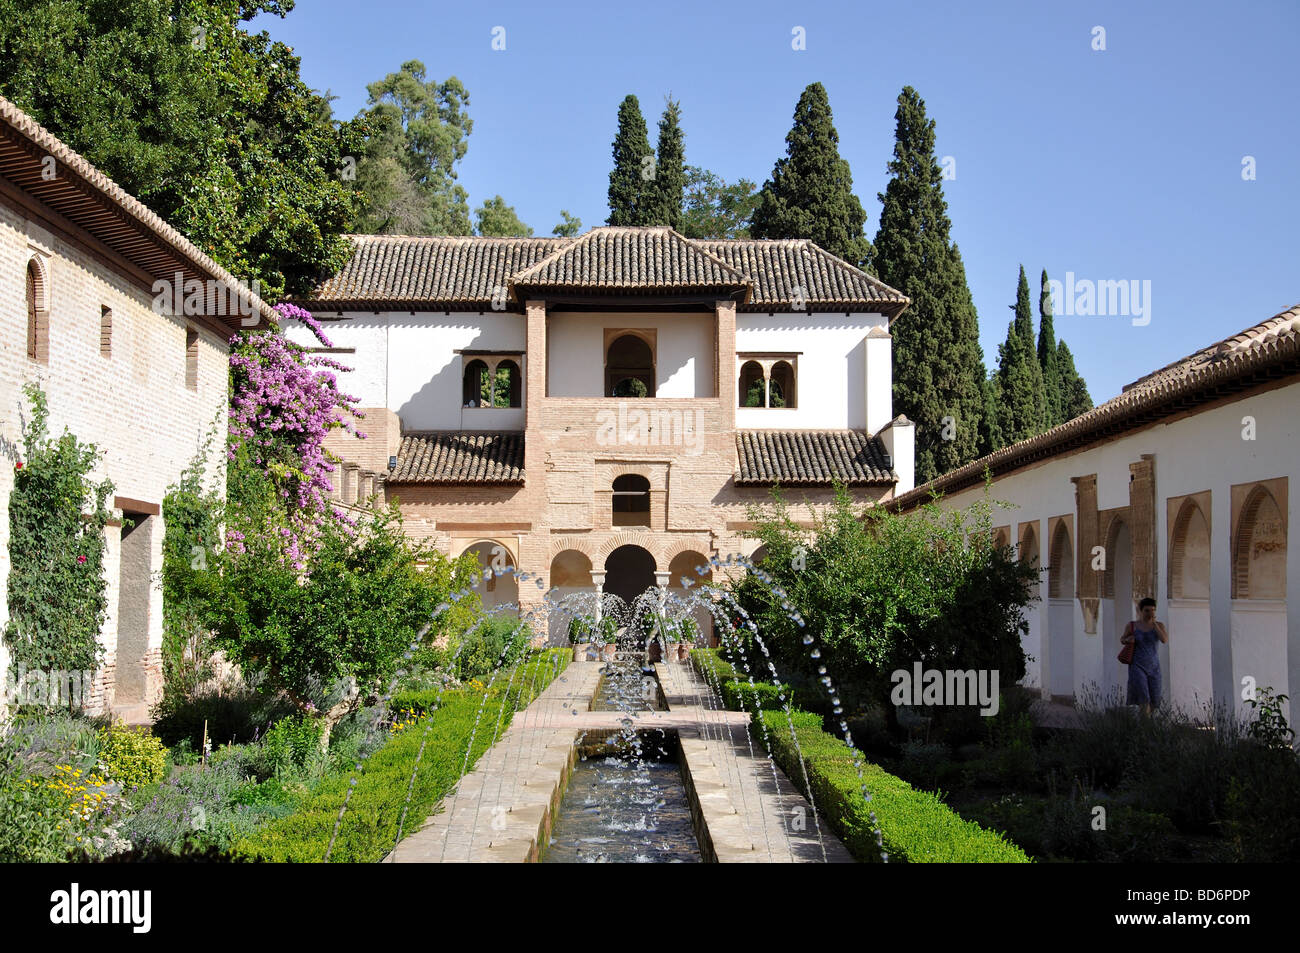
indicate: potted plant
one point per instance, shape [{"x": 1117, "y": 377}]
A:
[{"x": 580, "y": 630}]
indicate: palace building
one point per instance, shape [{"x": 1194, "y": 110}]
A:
[{"x": 602, "y": 411}]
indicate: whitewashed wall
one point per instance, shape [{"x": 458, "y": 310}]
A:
[
  {"x": 408, "y": 363},
  {"x": 576, "y": 352},
  {"x": 832, "y": 368}
]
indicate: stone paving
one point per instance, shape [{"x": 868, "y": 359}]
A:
[{"x": 501, "y": 812}]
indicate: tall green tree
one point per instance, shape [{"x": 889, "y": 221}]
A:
[
  {"x": 938, "y": 363},
  {"x": 416, "y": 126},
  {"x": 810, "y": 193},
  {"x": 631, "y": 181},
  {"x": 1075, "y": 398},
  {"x": 1019, "y": 388},
  {"x": 569, "y": 227},
  {"x": 669, "y": 184},
  {"x": 1047, "y": 355},
  {"x": 1026, "y": 353},
  {"x": 713, "y": 208},
  {"x": 209, "y": 125},
  {"x": 990, "y": 428},
  {"x": 497, "y": 219}
]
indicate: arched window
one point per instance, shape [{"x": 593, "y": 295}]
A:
[
  {"x": 751, "y": 384},
  {"x": 1259, "y": 550},
  {"x": 631, "y": 500},
  {"x": 478, "y": 389},
  {"x": 628, "y": 363},
  {"x": 781, "y": 387},
  {"x": 1189, "y": 557},
  {"x": 38, "y": 314},
  {"x": 1060, "y": 577},
  {"x": 505, "y": 385}
]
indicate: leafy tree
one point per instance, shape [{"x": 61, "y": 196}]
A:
[
  {"x": 712, "y": 208},
  {"x": 568, "y": 228},
  {"x": 879, "y": 591},
  {"x": 668, "y": 187},
  {"x": 810, "y": 194},
  {"x": 631, "y": 185},
  {"x": 419, "y": 126},
  {"x": 209, "y": 125},
  {"x": 1074, "y": 391},
  {"x": 990, "y": 426},
  {"x": 938, "y": 363},
  {"x": 1047, "y": 356},
  {"x": 498, "y": 219}
]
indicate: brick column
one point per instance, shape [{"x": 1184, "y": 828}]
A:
[
  {"x": 724, "y": 350},
  {"x": 534, "y": 390},
  {"x": 1088, "y": 581},
  {"x": 1142, "y": 525}
]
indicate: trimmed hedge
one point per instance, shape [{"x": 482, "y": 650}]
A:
[
  {"x": 915, "y": 825},
  {"x": 369, "y": 827},
  {"x": 740, "y": 695},
  {"x": 712, "y": 667}
]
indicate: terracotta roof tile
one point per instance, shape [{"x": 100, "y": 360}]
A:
[
  {"x": 460, "y": 457},
  {"x": 811, "y": 457}
]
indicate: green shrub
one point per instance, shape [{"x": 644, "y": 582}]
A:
[
  {"x": 35, "y": 826},
  {"x": 40, "y": 740},
  {"x": 132, "y": 757},
  {"x": 291, "y": 745},
  {"x": 369, "y": 827},
  {"x": 712, "y": 667},
  {"x": 915, "y": 826},
  {"x": 494, "y": 644},
  {"x": 740, "y": 695}
]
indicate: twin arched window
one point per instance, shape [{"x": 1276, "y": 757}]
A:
[
  {"x": 767, "y": 384},
  {"x": 496, "y": 386}
]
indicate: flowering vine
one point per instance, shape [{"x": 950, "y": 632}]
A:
[{"x": 283, "y": 402}]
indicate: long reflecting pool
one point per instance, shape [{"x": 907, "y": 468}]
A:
[{"x": 626, "y": 803}]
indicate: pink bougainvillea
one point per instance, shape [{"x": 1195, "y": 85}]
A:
[{"x": 283, "y": 402}]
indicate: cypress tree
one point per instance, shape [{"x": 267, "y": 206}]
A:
[
  {"x": 669, "y": 186},
  {"x": 1019, "y": 388},
  {"x": 630, "y": 190},
  {"x": 1047, "y": 356},
  {"x": 810, "y": 194},
  {"x": 1074, "y": 391},
  {"x": 938, "y": 364},
  {"x": 990, "y": 427},
  {"x": 1028, "y": 367}
]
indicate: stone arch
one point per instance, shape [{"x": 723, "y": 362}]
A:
[
  {"x": 570, "y": 568},
  {"x": 1060, "y": 574},
  {"x": 645, "y": 541},
  {"x": 495, "y": 590},
  {"x": 630, "y": 500},
  {"x": 580, "y": 543},
  {"x": 1189, "y": 554},
  {"x": 1116, "y": 526},
  {"x": 630, "y": 570},
  {"x": 751, "y": 374},
  {"x": 782, "y": 386},
  {"x": 676, "y": 547},
  {"x": 474, "y": 380},
  {"x": 629, "y": 357},
  {"x": 1259, "y": 548},
  {"x": 1001, "y": 537}
]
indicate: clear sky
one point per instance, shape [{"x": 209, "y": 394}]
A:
[{"x": 1117, "y": 164}]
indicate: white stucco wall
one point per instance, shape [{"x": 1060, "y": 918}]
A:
[
  {"x": 1197, "y": 453},
  {"x": 831, "y": 383},
  {"x": 408, "y": 363},
  {"x": 576, "y": 352}
]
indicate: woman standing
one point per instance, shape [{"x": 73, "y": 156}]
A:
[{"x": 1144, "y": 669}]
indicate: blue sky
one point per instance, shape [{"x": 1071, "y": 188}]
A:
[{"x": 1119, "y": 164}]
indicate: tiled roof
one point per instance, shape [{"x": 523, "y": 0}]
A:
[
  {"x": 651, "y": 259},
  {"x": 460, "y": 457},
  {"x": 93, "y": 201},
  {"x": 465, "y": 273},
  {"x": 1268, "y": 351},
  {"x": 452, "y": 272},
  {"x": 781, "y": 267},
  {"x": 811, "y": 457}
]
